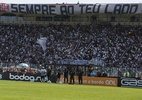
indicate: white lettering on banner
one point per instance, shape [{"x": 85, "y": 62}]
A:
[
  {"x": 97, "y": 82},
  {"x": 71, "y": 9},
  {"x": 0, "y": 76},
  {"x": 107, "y": 82},
  {"x": 22, "y": 77},
  {"x": 110, "y": 82},
  {"x": 131, "y": 82}
]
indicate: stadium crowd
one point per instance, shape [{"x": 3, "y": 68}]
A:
[{"x": 114, "y": 46}]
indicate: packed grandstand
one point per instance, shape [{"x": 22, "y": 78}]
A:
[
  {"x": 100, "y": 42},
  {"x": 118, "y": 46}
]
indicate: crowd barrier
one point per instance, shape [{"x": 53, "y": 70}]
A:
[{"x": 99, "y": 81}]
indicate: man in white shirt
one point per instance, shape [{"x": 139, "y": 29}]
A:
[{"x": 43, "y": 74}]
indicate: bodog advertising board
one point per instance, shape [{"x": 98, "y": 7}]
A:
[
  {"x": 101, "y": 81},
  {"x": 20, "y": 76}
]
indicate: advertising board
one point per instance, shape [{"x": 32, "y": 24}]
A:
[
  {"x": 21, "y": 76},
  {"x": 131, "y": 82},
  {"x": 100, "y": 81}
]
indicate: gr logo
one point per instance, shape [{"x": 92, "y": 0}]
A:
[{"x": 0, "y": 76}]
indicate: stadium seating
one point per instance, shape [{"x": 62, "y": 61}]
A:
[{"x": 114, "y": 46}]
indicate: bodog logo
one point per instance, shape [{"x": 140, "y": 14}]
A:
[
  {"x": 23, "y": 77},
  {"x": 110, "y": 82}
]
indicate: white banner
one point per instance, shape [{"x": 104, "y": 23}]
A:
[{"x": 70, "y": 9}]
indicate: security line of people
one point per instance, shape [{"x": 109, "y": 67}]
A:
[{"x": 46, "y": 75}]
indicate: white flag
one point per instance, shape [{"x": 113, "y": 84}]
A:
[{"x": 42, "y": 43}]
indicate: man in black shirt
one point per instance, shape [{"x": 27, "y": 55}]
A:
[
  {"x": 49, "y": 73},
  {"x": 65, "y": 75},
  {"x": 104, "y": 74},
  {"x": 58, "y": 75},
  {"x": 99, "y": 73},
  {"x": 80, "y": 74},
  {"x": 72, "y": 73}
]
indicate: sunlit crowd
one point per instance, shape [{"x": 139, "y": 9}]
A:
[{"x": 114, "y": 46}]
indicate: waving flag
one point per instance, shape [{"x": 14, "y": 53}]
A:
[{"x": 42, "y": 43}]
